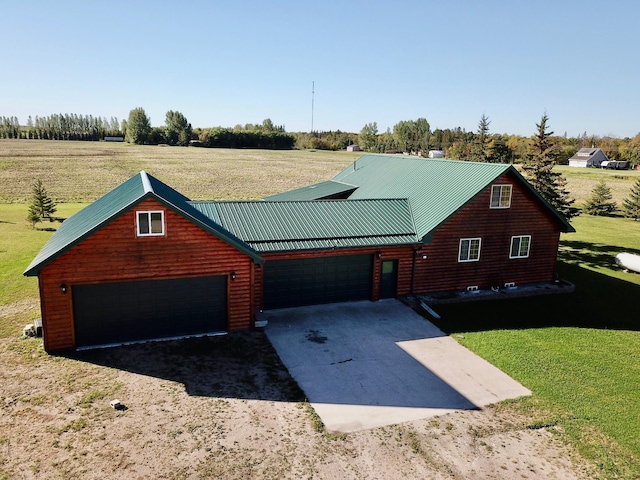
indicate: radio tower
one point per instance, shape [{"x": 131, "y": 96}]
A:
[{"x": 313, "y": 84}]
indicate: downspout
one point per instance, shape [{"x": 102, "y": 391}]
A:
[
  {"x": 413, "y": 270},
  {"x": 252, "y": 303}
]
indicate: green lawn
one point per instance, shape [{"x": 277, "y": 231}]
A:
[
  {"x": 579, "y": 353},
  {"x": 19, "y": 244}
]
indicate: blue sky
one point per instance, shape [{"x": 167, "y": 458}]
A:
[{"x": 236, "y": 62}]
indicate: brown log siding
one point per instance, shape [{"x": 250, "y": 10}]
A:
[
  {"x": 441, "y": 271},
  {"x": 116, "y": 253},
  {"x": 404, "y": 254}
]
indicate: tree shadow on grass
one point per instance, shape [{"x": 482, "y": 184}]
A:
[
  {"x": 593, "y": 255},
  {"x": 599, "y": 301},
  {"x": 238, "y": 365}
]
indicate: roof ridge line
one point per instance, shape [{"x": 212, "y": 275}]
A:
[
  {"x": 146, "y": 182},
  {"x": 338, "y": 200},
  {"x": 345, "y": 237}
]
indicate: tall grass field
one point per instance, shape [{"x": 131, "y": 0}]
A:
[{"x": 579, "y": 353}]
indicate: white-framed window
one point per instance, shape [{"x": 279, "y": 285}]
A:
[
  {"x": 500, "y": 196},
  {"x": 150, "y": 223},
  {"x": 520, "y": 246},
  {"x": 469, "y": 250}
]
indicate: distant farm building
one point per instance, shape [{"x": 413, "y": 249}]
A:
[
  {"x": 588, "y": 157},
  {"x": 436, "y": 153},
  {"x": 354, "y": 148}
]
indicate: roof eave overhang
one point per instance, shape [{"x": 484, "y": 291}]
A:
[
  {"x": 34, "y": 269},
  {"x": 565, "y": 226},
  {"x": 219, "y": 232},
  {"x": 339, "y": 247}
]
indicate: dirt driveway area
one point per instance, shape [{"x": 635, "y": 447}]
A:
[{"x": 226, "y": 408}]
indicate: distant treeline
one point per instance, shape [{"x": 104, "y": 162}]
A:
[
  {"x": 87, "y": 127},
  {"x": 241, "y": 138},
  {"x": 416, "y": 137},
  {"x": 61, "y": 127},
  {"x": 409, "y": 136}
]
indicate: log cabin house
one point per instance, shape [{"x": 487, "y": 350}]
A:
[{"x": 145, "y": 262}]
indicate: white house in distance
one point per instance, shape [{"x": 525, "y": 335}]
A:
[{"x": 588, "y": 157}]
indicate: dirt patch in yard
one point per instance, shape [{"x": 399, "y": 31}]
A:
[{"x": 225, "y": 407}]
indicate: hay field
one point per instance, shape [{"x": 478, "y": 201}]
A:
[
  {"x": 83, "y": 171},
  {"x": 580, "y": 182}
]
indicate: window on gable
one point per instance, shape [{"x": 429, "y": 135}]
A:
[
  {"x": 500, "y": 196},
  {"x": 469, "y": 250},
  {"x": 150, "y": 223},
  {"x": 520, "y": 246}
]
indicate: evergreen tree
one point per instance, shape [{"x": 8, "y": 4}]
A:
[
  {"x": 600, "y": 203},
  {"x": 632, "y": 202},
  {"x": 538, "y": 168},
  {"x": 481, "y": 149},
  {"x": 42, "y": 206}
]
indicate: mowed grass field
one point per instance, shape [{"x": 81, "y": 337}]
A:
[
  {"x": 578, "y": 353},
  {"x": 80, "y": 172}
]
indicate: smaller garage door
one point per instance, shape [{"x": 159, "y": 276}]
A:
[
  {"x": 312, "y": 281},
  {"x": 132, "y": 311}
]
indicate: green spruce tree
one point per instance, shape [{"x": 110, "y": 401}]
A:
[
  {"x": 42, "y": 206},
  {"x": 481, "y": 148},
  {"x": 600, "y": 203},
  {"x": 538, "y": 169},
  {"x": 631, "y": 204}
]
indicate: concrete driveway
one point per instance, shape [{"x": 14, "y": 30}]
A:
[{"x": 369, "y": 364}]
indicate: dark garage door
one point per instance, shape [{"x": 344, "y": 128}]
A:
[
  {"x": 311, "y": 281},
  {"x": 130, "y": 311}
]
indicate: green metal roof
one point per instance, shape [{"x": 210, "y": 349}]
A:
[
  {"x": 318, "y": 191},
  {"x": 306, "y": 225},
  {"x": 436, "y": 188},
  {"x": 119, "y": 200}
]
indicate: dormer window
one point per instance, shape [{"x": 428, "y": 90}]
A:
[
  {"x": 150, "y": 223},
  {"x": 500, "y": 196}
]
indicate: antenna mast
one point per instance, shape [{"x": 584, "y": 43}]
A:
[{"x": 313, "y": 84}]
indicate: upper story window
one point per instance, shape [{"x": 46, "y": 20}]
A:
[
  {"x": 520, "y": 246},
  {"x": 500, "y": 196},
  {"x": 469, "y": 250},
  {"x": 150, "y": 223}
]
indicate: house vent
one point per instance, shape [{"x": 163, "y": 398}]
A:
[{"x": 472, "y": 288}]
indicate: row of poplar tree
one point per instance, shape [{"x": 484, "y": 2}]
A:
[
  {"x": 63, "y": 126},
  {"x": 137, "y": 129}
]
